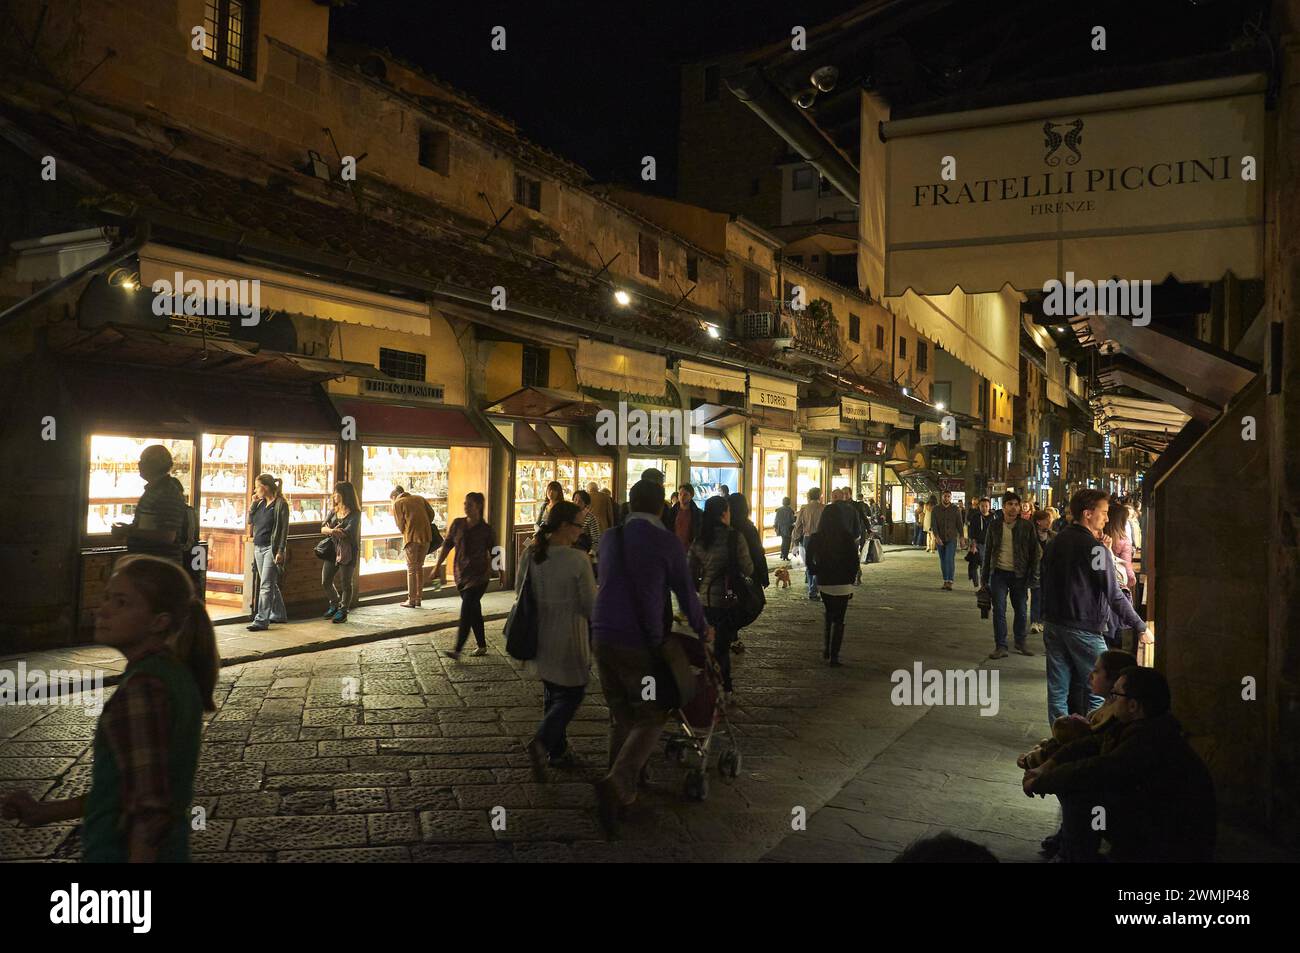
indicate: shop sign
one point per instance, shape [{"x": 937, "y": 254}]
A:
[
  {"x": 844, "y": 445},
  {"x": 407, "y": 390},
  {"x": 1049, "y": 462},
  {"x": 775, "y": 441},
  {"x": 770, "y": 398}
]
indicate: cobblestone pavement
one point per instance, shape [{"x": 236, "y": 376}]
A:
[{"x": 414, "y": 766}]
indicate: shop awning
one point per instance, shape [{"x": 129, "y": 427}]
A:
[
  {"x": 377, "y": 420},
  {"x": 1202, "y": 369},
  {"x": 980, "y": 330},
  {"x": 538, "y": 402},
  {"x": 1137, "y": 184},
  {"x": 717, "y": 416},
  {"x": 851, "y": 408},
  {"x": 287, "y": 292},
  {"x": 147, "y": 400},
  {"x": 1123, "y": 371},
  {"x": 553, "y": 442},
  {"x": 621, "y": 369},
  {"x": 122, "y": 344},
  {"x": 695, "y": 374}
]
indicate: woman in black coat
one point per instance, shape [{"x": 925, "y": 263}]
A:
[
  {"x": 833, "y": 559},
  {"x": 742, "y": 524}
]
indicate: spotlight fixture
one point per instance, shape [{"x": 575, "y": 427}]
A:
[
  {"x": 713, "y": 331},
  {"x": 940, "y": 406},
  {"x": 906, "y": 393},
  {"x": 622, "y": 297},
  {"x": 806, "y": 99},
  {"x": 825, "y": 78}
]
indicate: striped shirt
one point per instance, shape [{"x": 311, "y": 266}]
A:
[{"x": 162, "y": 506}]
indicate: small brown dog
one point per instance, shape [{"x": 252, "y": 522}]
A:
[{"x": 782, "y": 577}]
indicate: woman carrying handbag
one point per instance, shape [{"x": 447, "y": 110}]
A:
[
  {"x": 712, "y": 556},
  {"x": 563, "y": 586}
]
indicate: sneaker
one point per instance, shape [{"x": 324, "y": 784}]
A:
[
  {"x": 1021, "y": 648},
  {"x": 999, "y": 653},
  {"x": 409, "y": 605},
  {"x": 258, "y": 627},
  {"x": 480, "y": 651},
  {"x": 451, "y": 654},
  {"x": 565, "y": 762},
  {"x": 329, "y": 613},
  {"x": 1036, "y": 628},
  {"x": 340, "y": 616}
]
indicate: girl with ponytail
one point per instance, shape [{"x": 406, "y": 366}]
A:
[
  {"x": 564, "y": 587},
  {"x": 147, "y": 740}
]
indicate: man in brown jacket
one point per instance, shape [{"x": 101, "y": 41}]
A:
[
  {"x": 414, "y": 518},
  {"x": 602, "y": 506}
]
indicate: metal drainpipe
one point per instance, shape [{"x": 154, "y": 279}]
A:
[{"x": 106, "y": 260}]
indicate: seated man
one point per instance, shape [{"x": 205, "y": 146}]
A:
[{"x": 1154, "y": 790}]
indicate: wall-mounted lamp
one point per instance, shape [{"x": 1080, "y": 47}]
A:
[{"x": 622, "y": 297}]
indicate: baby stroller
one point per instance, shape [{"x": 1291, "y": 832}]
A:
[{"x": 701, "y": 722}]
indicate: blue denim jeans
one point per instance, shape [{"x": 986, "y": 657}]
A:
[
  {"x": 1071, "y": 654},
  {"x": 948, "y": 559},
  {"x": 270, "y": 603},
  {"x": 559, "y": 705},
  {"x": 1004, "y": 581},
  {"x": 1036, "y": 604}
]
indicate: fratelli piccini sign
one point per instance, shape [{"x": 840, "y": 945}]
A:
[{"x": 1137, "y": 184}]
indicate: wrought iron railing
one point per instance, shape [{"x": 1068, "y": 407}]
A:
[{"x": 800, "y": 331}]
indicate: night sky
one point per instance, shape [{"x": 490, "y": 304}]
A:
[{"x": 595, "y": 82}]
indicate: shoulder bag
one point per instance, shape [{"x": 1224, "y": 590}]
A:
[
  {"x": 743, "y": 600},
  {"x": 522, "y": 624},
  {"x": 325, "y": 548},
  {"x": 674, "y": 681}
]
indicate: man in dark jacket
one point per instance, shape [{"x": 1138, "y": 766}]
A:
[
  {"x": 977, "y": 526},
  {"x": 684, "y": 517},
  {"x": 783, "y": 524},
  {"x": 948, "y": 524},
  {"x": 1010, "y": 562},
  {"x": 1080, "y": 596},
  {"x": 1156, "y": 792}
]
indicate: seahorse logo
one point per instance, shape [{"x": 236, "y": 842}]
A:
[{"x": 1053, "y": 140}]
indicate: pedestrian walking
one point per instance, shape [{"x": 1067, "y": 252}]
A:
[
  {"x": 805, "y": 524},
  {"x": 414, "y": 518},
  {"x": 783, "y": 526},
  {"x": 632, "y": 617},
  {"x": 589, "y": 540},
  {"x": 1044, "y": 534},
  {"x": 1079, "y": 594},
  {"x": 742, "y": 524},
  {"x": 159, "y": 526},
  {"x": 927, "y": 522},
  {"x": 268, "y": 517},
  {"x": 1010, "y": 564},
  {"x": 339, "y": 575},
  {"x": 977, "y": 525},
  {"x": 602, "y": 506},
  {"x": 949, "y": 527},
  {"x": 714, "y": 556},
  {"x": 832, "y": 556},
  {"x": 918, "y": 526},
  {"x": 473, "y": 541},
  {"x": 146, "y": 748},
  {"x": 686, "y": 516},
  {"x": 554, "y": 494},
  {"x": 560, "y": 577}
]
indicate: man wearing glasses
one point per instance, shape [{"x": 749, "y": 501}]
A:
[{"x": 1141, "y": 786}]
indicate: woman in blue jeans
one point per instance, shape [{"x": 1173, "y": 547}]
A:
[
  {"x": 560, "y": 579},
  {"x": 269, "y": 519}
]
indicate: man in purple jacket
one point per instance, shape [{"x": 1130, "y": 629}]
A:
[
  {"x": 1080, "y": 596},
  {"x": 641, "y": 562}
]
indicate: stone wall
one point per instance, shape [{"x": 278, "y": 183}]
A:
[{"x": 1207, "y": 550}]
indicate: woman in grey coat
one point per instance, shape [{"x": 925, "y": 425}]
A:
[{"x": 564, "y": 586}]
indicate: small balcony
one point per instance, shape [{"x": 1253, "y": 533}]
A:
[{"x": 796, "y": 336}]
